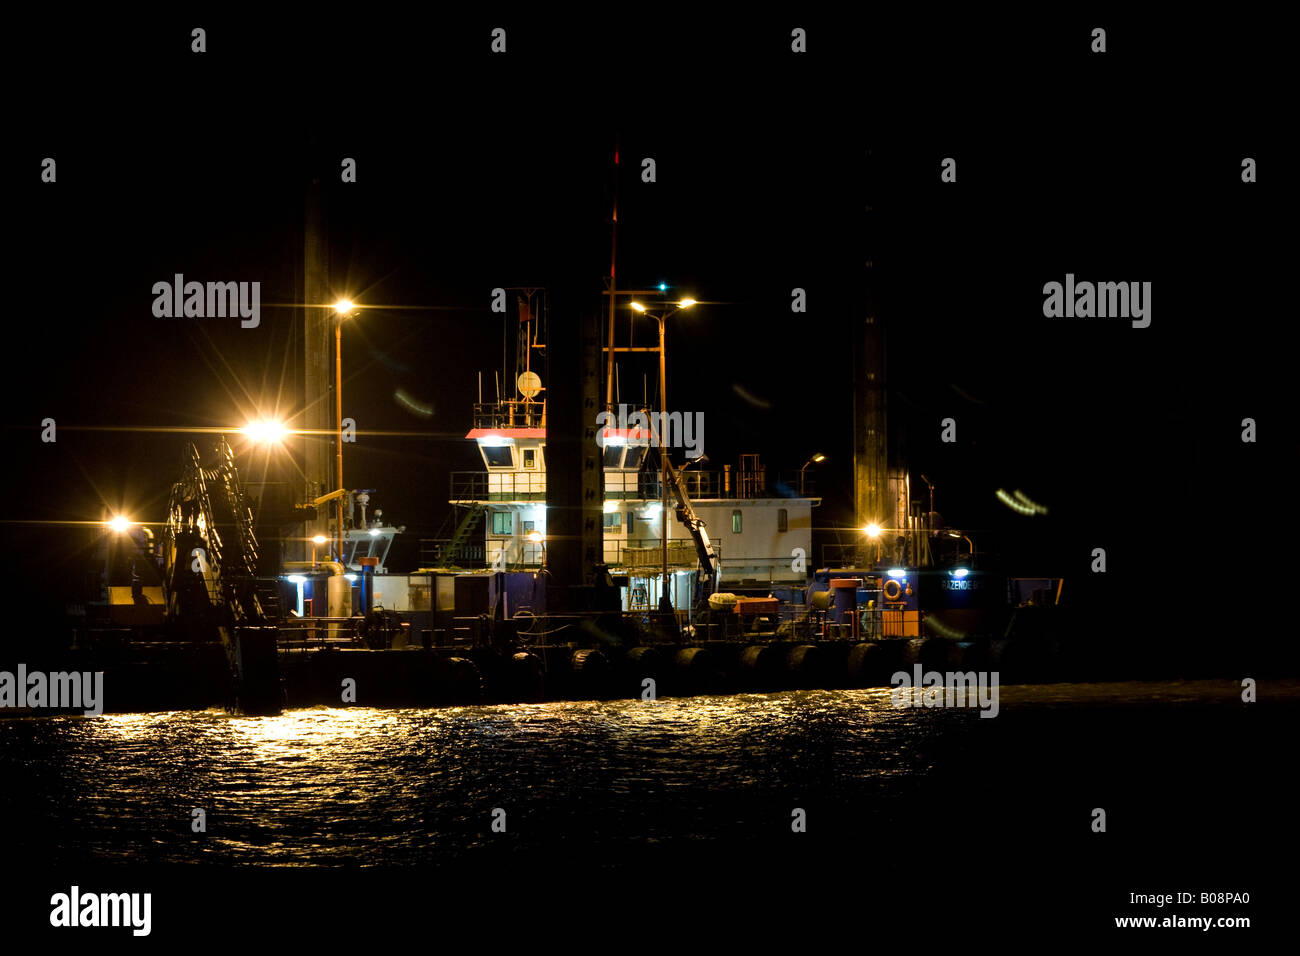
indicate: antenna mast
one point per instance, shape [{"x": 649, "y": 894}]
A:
[{"x": 613, "y": 251}]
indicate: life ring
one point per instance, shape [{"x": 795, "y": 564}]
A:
[{"x": 898, "y": 590}]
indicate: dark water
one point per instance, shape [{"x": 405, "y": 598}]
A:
[{"x": 1176, "y": 765}]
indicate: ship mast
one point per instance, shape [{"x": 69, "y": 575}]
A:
[{"x": 613, "y": 251}]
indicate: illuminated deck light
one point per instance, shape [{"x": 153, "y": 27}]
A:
[{"x": 265, "y": 432}]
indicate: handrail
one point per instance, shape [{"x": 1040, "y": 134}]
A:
[{"x": 700, "y": 486}]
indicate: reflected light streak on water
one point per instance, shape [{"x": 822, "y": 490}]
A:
[{"x": 365, "y": 786}]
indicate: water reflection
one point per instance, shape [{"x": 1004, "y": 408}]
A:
[{"x": 359, "y": 785}]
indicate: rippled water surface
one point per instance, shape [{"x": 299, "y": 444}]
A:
[{"x": 365, "y": 786}]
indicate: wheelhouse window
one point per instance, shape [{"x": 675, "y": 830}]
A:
[
  {"x": 530, "y": 457},
  {"x": 634, "y": 455},
  {"x": 502, "y": 522},
  {"x": 614, "y": 519},
  {"x": 735, "y": 521},
  {"x": 613, "y": 456},
  {"x": 499, "y": 456}
]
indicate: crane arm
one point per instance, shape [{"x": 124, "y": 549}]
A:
[{"x": 695, "y": 525}]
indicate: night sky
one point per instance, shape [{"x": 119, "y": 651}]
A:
[{"x": 475, "y": 172}]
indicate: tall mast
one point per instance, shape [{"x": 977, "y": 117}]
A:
[
  {"x": 316, "y": 358},
  {"x": 613, "y": 251}
]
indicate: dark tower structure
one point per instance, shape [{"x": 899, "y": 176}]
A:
[
  {"x": 872, "y": 499},
  {"x": 575, "y": 489},
  {"x": 318, "y": 363}
]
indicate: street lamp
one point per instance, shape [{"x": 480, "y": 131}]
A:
[
  {"x": 265, "y": 432},
  {"x": 969, "y": 542},
  {"x": 536, "y": 537},
  {"x": 343, "y": 309},
  {"x": 665, "y": 604},
  {"x": 819, "y": 457},
  {"x": 873, "y": 531}
]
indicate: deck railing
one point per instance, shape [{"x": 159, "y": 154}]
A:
[
  {"x": 498, "y": 486},
  {"x": 699, "y": 485},
  {"x": 511, "y": 414},
  {"x": 438, "y": 551}
]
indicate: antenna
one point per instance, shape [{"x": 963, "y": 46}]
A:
[
  {"x": 613, "y": 252},
  {"x": 617, "y": 387},
  {"x": 480, "y": 386},
  {"x": 497, "y": 378}
]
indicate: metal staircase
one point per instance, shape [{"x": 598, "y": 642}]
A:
[
  {"x": 210, "y": 575},
  {"x": 451, "y": 551},
  {"x": 468, "y": 525}
]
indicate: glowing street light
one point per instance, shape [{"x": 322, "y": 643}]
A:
[
  {"x": 536, "y": 537},
  {"x": 265, "y": 432},
  {"x": 118, "y": 524},
  {"x": 965, "y": 537},
  {"x": 343, "y": 308},
  {"x": 873, "y": 531},
  {"x": 683, "y": 304},
  {"x": 665, "y": 604},
  {"x": 819, "y": 457}
]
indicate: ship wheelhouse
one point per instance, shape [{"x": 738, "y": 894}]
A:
[{"x": 761, "y": 529}]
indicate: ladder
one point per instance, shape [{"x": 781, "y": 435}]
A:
[{"x": 460, "y": 537}]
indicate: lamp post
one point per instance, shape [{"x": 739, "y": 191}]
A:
[
  {"x": 139, "y": 535},
  {"x": 665, "y": 605},
  {"x": 342, "y": 309},
  {"x": 969, "y": 543},
  {"x": 873, "y": 531},
  {"x": 265, "y": 431},
  {"x": 819, "y": 457},
  {"x": 536, "y": 537}
]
